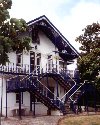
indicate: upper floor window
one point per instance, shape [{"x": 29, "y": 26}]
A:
[
  {"x": 38, "y": 58},
  {"x": 35, "y": 35},
  {"x": 19, "y": 59}
]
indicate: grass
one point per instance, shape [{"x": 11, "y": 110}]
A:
[{"x": 80, "y": 120}]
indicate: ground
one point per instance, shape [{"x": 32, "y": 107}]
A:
[
  {"x": 71, "y": 119},
  {"x": 42, "y": 120},
  {"x": 80, "y": 120}
]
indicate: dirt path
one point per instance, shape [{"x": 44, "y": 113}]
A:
[{"x": 43, "y": 120}]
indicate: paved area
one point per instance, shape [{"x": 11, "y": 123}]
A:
[{"x": 42, "y": 120}]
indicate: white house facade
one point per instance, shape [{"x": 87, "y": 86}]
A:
[{"x": 39, "y": 82}]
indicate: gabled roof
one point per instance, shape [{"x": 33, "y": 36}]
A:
[{"x": 65, "y": 49}]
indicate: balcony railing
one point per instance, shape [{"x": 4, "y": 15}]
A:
[
  {"x": 25, "y": 68},
  {"x": 59, "y": 70},
  {"x": 13, "y": 68}
]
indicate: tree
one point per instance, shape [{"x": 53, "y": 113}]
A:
[
  {"x": 11, "y": 30},
  {"x": 89, "y": 62}
]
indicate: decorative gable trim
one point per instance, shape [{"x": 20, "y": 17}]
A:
[{"x": 61, "y": 42}]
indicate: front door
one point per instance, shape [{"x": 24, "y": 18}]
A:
[{"x": 51, "y": 94}]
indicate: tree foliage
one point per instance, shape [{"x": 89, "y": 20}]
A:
[
  {"x": 89, "y": 62},
  {"x": 11, "y": 30}
]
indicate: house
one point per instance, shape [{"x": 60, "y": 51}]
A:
[{"x": 39, "y": 82}]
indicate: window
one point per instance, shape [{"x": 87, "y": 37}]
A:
[
  {"x": 32, "y": 61},
  {"x": 18, "y": 96},
  {"x": 35, "y": 36},
  {"x": 19, "y": 59},
  {"x": 38, "y": 58}
]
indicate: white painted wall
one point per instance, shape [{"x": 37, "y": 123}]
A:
[
  {"x": 46, "y": 48},
  {"x": 12, "y": 57},
  {"x": 41, "y": 109}
]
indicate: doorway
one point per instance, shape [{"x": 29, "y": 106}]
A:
[
  {"x": 51, "y": 94},
  {"x": 32, "y": 61},
  {"x": 35, "y": 61}
]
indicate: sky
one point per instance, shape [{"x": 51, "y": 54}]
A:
[{"x": 69, "y": 16}]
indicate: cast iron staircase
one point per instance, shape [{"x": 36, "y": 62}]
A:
[
  {"x": 71, "y": 98},
  {"x": 33, "y": 85},
  {"x": 71, "y": 84},
  {"x": 58, "y": 78},
  {"x": 62, "y": 77}
]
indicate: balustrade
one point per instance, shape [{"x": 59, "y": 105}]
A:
[{"x": 13, "y": 68}]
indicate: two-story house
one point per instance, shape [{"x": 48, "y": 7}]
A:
[{"x": 39, "y": 82}]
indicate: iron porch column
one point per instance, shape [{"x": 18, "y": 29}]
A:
[
  {"x": 87, "y": 101},
  {"x": 47, "y": 85},
  {"x": 95, "y": 98},
  {"x": 34, "y": 105},
  {"x": 57, "y": 88},
  {"x": 57, "y": 92},
  {"x": 6, "y": 99},
  {"x": 19, "y": 104},
  {"x": 30, "y": 101},
  {"x": 1, "y": 94}
]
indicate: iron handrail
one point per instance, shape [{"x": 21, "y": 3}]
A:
[
  {"x": 48, "y": 90},
  {"x": 76, "y": 91},
  {"x": 29, "y": 74},
  {"x": 71, "y": 88},
  {"x": 68, "y": 92},
  {"x": 25, "y": 76}
]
